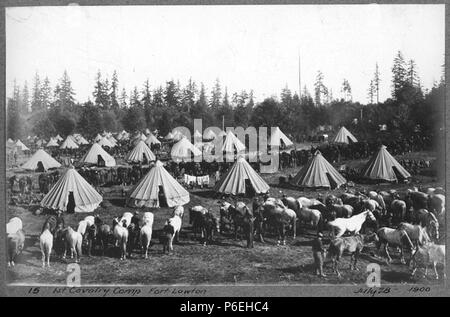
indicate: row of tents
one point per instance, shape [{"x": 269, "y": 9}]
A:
[{"x": 72, "y": 192}]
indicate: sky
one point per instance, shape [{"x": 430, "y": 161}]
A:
[{"x": 251, "y": 47}]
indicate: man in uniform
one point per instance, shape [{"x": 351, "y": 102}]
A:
[{"x": 318, "y": 254}]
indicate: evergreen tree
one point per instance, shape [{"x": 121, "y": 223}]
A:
[
  {"x": 399, "y": 75},
  {"x": 216, "y": 95},
  {"x": 346, "y": 91},
  {"x": 171, "y": 95},
  {"x": 14, "y": 122},
  {"x": 114, "y": 90},
  {"x": 123, "y": 99},
  {"x": 64, "y": 94},
  {"x": 25, "y": 106},
  {"x": 36, "y": 104},
  {"x": 376, "y": 82},
  {"x": 320, "y": 91},
  {"x": 371, "y": 92},
  {"x": 46, "y": 94},
  {"x": 100, "y": 92}
]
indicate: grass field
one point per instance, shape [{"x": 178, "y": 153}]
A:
[{"x": 226, "y": 261}]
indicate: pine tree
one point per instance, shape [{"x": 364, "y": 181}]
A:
[
  {"x": 25, "y": 108},
  {"x": 113, "y": 95},
  {"x": 134, "y": 98},
  {"x": 64, "y": 94},
  {"x": 320, "y": 91},
  {"x": 101, "y": 92},
  {"x": 346, "y": 91},
  {"x": 158, "y": 98},
  {"x": 188, "y": 96},
  {"x": 399, "y": 75},
  {"x": 171, "y": 95},
  {"x": 46, "y": 94},
  {"x": 413, "y": 78},
  {"x": 216, "y": 95},
  {"x": 36, "y": 102},
  {"x": 376, "y": 82},
  {"x": 371, "y": 92},
  {"x": 123, "y": 99}
]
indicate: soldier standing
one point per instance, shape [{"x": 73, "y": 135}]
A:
[{"x": 318, "y": 254}]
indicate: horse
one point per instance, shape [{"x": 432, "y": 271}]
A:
[
  {"x": 208, "y": 224},
  {"x": 436, "y": 204},
  {"x": 396, "y": 237},
  {"x": 16, "y": 242},
  {"x": 416, "y": 233},
  {"x": 398, "y": 210},
  {"x": 239, "y": 215},
  {"x": 429, "y": 254},
  {"x": 195, "y": 213},
  {"x": 341, "y": 211},
  {"x": 46, "y": 245},
  {"x": 429, "y": 221},
  {"x": 341, "y": 225},
  {"x": 178, "y": 211},
  {"x": 126, "y": 217},
  {"x": 73, "y": 241},
  {"x": 279, "y": 216},
  {"x": 146, "y": 233},
  {"x": 121, "y": 237},
  {"x": 14, "y": 224},
  {"x": 311, "y": 216},
  {"x": 172, "y": 228},
  {"x": 306, "y": 202},
  {"x": 98, "y": 234},
  {"x": 353, "y": 245}
]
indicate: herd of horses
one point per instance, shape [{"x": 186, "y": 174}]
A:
[{"x": 408, "y": 220}]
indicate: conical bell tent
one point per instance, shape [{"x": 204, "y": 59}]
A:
[
  {"x": 183, "y": 149},
  {"x": 158, "y": 184},
  {"x": 72, "y": 193},
  {"x": 69, "y": 143},
  {"x": 138, "y": 153},
  {"x": 384, "y": 167},
  {"x": 344, "y": 136},
  {"x": 92, "y": 156},
  {"x": 240, "y": 179},
  {"x": 52, "y": 143},
  {"x": 278, "y": 136},
  {"x": 41, "y": 156},
  {"x": 318, "y": 173}
]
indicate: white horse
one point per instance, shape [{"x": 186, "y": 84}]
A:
[
  {"x": 306, "y": 202},
  {"x": 46, "y": 244},
  {"x": 127, "y": 216},
  {"x": 121, "y": 236},
  {"x": 82, "y": 227},
  {"x": 73, "y": 242},
  {"x": 90, "y": 220},
  {"x": 353, "y": 224},
  {"x": 178, "y": 211},
  {"x": 146, "y": 232},
  {"x": 429, "y": 254},
  {"x": 14, "y": 225},
  {"x": 388, "y": 236},
  {"x": 173, "y": 226},
  {"x": 416, "y": 233}
]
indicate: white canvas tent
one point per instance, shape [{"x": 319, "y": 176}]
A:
[
  {"x": 344, "y": 136},
  {"x": 91, "y": 157},
  {"x": 209, "y": 134},
  {"x": 231, "y": 143},
  {"x": 81, "y": 140},
  {"x": 152, "y": 140},
  {"x": 72, "y": 192},
  {"x": 239, "y": 178},
  {"x": 383, "y": 166},
  {"x": 182, "y": 150},
  {"x": 59, "y": 138},
  {"x": 52, "y": 143},
  {"x": 146, "y": 191},
  {"x": 43, "y": 157},
  {"x": 138, "y": 152},
  {"x": 278, "y": 136},
  {"x": 21, "y": 146},
  {"x": 105, "y": 142},
  {"x": 69, "y": 143}
]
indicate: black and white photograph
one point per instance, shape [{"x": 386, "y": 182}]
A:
[{"x": 264, "y": 145}]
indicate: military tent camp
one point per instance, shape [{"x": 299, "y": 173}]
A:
[
  {"x": 105, "y": 142},
  {"x": 112, "y": 140},
  {"x": 241, "y": 179},
  {"x": 21, "y": 146},
  {"x": 231, "y": 143},
  {"x": 182, "y": 150},
  {"x": 58, "y": 138},
  {"x": 69, "y": 143},
  {"x": 140, "y": 153},
  {"x": 278, "y": 136},
  {"x": 41, "y": 159},
  {"x": 318, "y": 173},
  {"x": 151, "y": 139},
  {"x": 158, "y": 188},
  {"x": 344, "y": 136},
  {"x": 96, "y": 152},
  {"x": 383, "y": 166},
  {"x": 72, "y": 193},
  {"x": 52, "y": 143}
]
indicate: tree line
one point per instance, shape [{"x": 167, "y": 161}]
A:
[{"x": 46, "y": 111}]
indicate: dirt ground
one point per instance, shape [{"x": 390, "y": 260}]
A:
[{"x": 226, "y": 261}]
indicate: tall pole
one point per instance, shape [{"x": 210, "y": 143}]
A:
[{"x": 223, "y": 122}]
